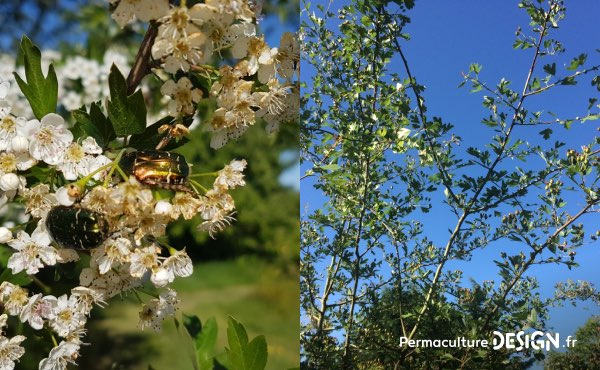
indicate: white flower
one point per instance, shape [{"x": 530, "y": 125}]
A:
[
  {"x": 112, "y": 253},
  {"x": 288, "y": 57},
  {"x": 184, "y": 204},
  {"x": 11, "y": 162},
  {"x": 232, "y": 175},
  {"x": 163, "y": 207},
  {"x": 160, "y": 277},
  {"x": 10, "y": 127},
  {"x": 78, "y": 159},
  {"x": 178, "y": 264},
  {"x": 63, "y": 197},
  {"x": 31, "y": 252},
  {"x": 5, "y": 234},
  {"x": 143, "y": 259},
  {"x": 49, "y": 138},
  {"x": 145, "y": 10},
  {"x": 87, "y": 297},
  {"x": 182, "y": 52},
  {"x": 156, "y": 310},
  {"x": 183, "y": 95},
  {"x": 90, "y": 146},
  {"x": 66, "y": 315},
  {"x": 37, "y": 309},
  {"x": 95, "y": 163},
  {"x": 9, "y": 181},
  {"x": 13, "y": 297},
  {"x": 60, "y": 356},
  {"x": 19, "y": 144},
  {"x": 10, "y": 349}
]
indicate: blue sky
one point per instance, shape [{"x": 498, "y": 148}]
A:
[{"x": 446, "y": 37}]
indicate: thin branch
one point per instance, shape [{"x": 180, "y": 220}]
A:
[{"x": 140, "y": 66}]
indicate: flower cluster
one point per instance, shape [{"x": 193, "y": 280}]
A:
[
  {"x": 189, "y": 38},
  {"x": 83, "y": 191},
  {"x": 131, "y": 251}
]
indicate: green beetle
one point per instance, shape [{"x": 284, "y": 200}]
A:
[
  {"x": 157, "y": 168},
  {"x": 77, "y": 228}
]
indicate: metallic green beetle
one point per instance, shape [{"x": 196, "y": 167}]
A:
[
  {"x": 157, "y": 168},
  {"x": 77, "y": 228}
]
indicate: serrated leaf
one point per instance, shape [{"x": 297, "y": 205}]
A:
[
  {"x": 244, "y": 355},
  {"x": 205, "y": 344},
  {"x": 41, "y": 91},
  {"x": 127, "y": 113},
  {"x": 94, "y": 124},
  {"x": 550, "y": 69},
  {"x": 546, "y": 133},
  {"x": 577, "y": 61}
]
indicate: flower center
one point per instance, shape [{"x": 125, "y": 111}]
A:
[
  {"x": 180, "y": 19},
  {"x": 8, "y": 124},
  {"x": 75, "y": 152},
  {"x": 8, "y": 162},
  {"x": 65, "y": 315},
  {"x": 45, "y": 136}
]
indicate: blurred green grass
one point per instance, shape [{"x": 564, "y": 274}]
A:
[{"x": 258, "y": 294}]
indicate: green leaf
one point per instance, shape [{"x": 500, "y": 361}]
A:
[
  {"x": 150, "y": 138},
  {"x": 577, "y": 61},
  {"x": 205, "y": 344},
  {"x": 94, "y": 124},
  {"x": 596, "y": 82},
  {"x": 127, "y": 113},
  {"x": 550, "y": 69},
  {"x": 40, "y": 91},
  {"x": 193, "y": 325},
  {"x": 546, "y": 133},
  {"x": 244, "y": 355},
  {"x": 331, "y": 167}
]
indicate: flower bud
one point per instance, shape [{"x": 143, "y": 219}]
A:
[
  {"x": 5, "y": 234},
  {"x": 163, "y": 207},
  {"x": 9, "y": 181},
  {"x": 19, "y": 144},
  {"x": 160, "y": 277},
  {"x": 73, "y": 190},
  {"x": 63, "y": 198}
]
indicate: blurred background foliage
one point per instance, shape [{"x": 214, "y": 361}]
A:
[{"x": 250, "y": 271}]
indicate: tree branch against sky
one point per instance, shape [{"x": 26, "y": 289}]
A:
[{"x": 424, "y": 206}]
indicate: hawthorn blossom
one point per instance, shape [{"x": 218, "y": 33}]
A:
[
  {"x": 66, "y": 315},
  {"x": 184, "y": 96},
  {"x": 184, "y": 204},
  {"x": 33, "y": 252},
  {"x": 112, "y": 253},
  {"x": 13, "y": 297},
  {"x": 10, "y": 127},
  {"x": 231, "y": 175},
  {"x": 79, "y": 159},
  {"x": 49, "y": 138},
  {"x": 156, "y": 310},
  {"x": 143, "y": 259},
  {"x": 39, "y": 200},
  {"x": 60, "y": 356},
  {"x": 37, "y": 309},
  {"x": 182, "y": 52},
  {"x": 288, "y": 56},
  {"x": 10, "y": 349},
  {"x": 5, "y": 234},
  {"x": 145, "y": 10},
  {"x": 178, "y": 264}
]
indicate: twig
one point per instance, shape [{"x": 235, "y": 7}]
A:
[{"x": 140, "y": 66}]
